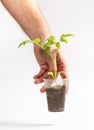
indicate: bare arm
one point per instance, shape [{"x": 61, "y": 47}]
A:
[
  {"x": 31, "y": 20},
  {"x": 29, "y": 17}
]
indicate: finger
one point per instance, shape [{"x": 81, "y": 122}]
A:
[
  {"x": 40, "y": 80},
  {"x": 42, "y": 71},
  {"x": 44, "y": 68},
  {"x": 37, "y": 81},
  {"x": 63, "y": 69},
  {"x": 64, "y": 74},
  {"x": 43, "y": 89}
]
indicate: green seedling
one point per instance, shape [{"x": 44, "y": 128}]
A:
[{"x": 47, "y": 47}]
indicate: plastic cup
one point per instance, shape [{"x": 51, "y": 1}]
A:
[{"x": 56, "y": 93}]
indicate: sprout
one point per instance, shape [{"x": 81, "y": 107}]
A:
[{"x": 47, "y": 48}]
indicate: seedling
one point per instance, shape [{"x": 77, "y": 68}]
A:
[{"x": 47, "y": 47}]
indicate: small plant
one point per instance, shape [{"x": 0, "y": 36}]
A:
[
  {"x": 55, "y": 89},
  {"x": 47, "y": 47}
]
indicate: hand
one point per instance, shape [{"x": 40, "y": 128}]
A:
[{"x": 45, "y": 64}]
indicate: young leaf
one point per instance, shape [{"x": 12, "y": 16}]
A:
[
  {"x": 51, "y": 74},
  {"x": 58, "y": 45},
  {"x": 65, "y": 40},
  {"x": 51, "y": 39},
  {"x": 42, "y": 45},
  {"x": 47, "y": 46},
  {"x": 69, "y": 35},
  {"x": 62, "y": 37},
  {"x": 24, "y": 42},
  {"x": 37, "y": 40},
  {"x": 62, "y": 72}
]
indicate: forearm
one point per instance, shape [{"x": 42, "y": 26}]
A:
[{"x": 29, "y": 17}]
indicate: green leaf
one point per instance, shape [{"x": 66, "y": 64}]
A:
[
  {"x": 51, "y": 74},
  {"x": 24, "y": 42},
  {"x": 37, "y": 40},
  {"x": 65, "y": 40},
  {"x": 62, "y": 72},
  {"x": 69, "y": 35},
  {"x": 51, "y": 39},
  {"x": 62, "y": 37},
  {"x": 47, "y": 46},
  {"x": 42, "y": 45},
  {"x": 58, "y": 45}
]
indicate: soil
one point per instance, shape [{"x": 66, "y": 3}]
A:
[{"x": 56, "y": 98}]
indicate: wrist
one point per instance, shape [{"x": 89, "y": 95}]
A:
[{"x": 44, "y": 37}]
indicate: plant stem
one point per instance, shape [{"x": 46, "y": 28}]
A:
[
  {"x": 55, "y": 67},
  {"x": 53, "y": 58}
]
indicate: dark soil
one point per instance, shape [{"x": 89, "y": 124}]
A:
[{"x": 56, "y": 99}]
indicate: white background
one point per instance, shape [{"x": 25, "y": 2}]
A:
[{"x": 22, "y": 106}]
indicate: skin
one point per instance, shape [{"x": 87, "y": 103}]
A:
[{"x": 33, "y": 23}]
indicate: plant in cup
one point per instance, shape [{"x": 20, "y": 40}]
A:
[{"x": 55, "y": 89}]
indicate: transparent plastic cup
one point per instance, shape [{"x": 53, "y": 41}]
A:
[{"x": 56, "y": 93}]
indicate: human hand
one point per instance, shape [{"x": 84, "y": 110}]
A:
[{"x": 46, "y": 66}]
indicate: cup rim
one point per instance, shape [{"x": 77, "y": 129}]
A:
[{"x": 64, "y": 79}]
